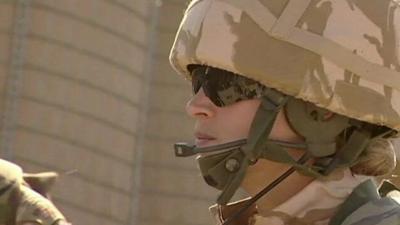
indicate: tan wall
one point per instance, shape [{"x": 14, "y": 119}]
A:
[
  {"x": 74, "y": 77},
  {"x": 173, "y": 191},
  {"x": 76, "y": 98}
]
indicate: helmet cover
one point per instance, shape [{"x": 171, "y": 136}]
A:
[{"x": 342, "y": 55}]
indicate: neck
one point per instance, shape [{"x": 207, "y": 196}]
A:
[
  {"x": 284, "y": 191},
  {"x": 264, "y": 173}
]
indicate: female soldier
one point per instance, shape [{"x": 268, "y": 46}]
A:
[{"x": 295, "y": 101}]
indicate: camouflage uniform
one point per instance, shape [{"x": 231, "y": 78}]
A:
[
  {"x": 341, "y": 55},
  {"x": 23, "y": 197},
  {"x": 359, "y": 205}
]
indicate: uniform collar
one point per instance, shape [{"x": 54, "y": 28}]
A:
[
  {"x": 317, "y": 203},
  {"x": 365, "y": 192}
]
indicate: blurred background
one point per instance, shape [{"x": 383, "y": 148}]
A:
[{"x": 86, "y": 90}]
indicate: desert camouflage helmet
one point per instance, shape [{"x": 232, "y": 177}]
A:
[
  {"x": 338, "y": 56},
  {"x": 308, "y": 49}
]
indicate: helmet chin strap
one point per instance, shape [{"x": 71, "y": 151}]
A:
[{"x": 185, "y": 150}]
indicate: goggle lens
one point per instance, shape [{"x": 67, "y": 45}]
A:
[{"x": 224, "y": 88}]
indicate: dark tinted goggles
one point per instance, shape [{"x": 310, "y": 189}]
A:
[{"x": 224, "y": 88}]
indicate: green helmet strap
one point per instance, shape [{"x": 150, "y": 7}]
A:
[
  {"x": 350, "y": 152},
  {"x": 271, "y": 103},
  {"x": 259, "y": 146},
  {"x": 277, "y": 153},
  {"x": 233, "y": 184},
  {"x": 321, "y": 129}
]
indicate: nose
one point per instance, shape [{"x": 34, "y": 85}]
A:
[{"x": 200, "y": 106}]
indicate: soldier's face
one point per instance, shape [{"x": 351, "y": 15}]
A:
[{"x": 217, "y": 125}]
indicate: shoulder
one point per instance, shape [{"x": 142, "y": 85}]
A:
[{"x": 384, "y": 211}]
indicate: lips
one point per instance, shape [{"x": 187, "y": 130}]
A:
[{"x": 203, "y": 139}]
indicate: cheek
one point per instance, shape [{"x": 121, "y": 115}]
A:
[
  {"x": 282, "y": 130},
  {"x": 237, "y": 118}
]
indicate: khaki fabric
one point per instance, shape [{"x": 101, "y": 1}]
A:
[
  {"x": 366, "y": 207},
  {"x": 20, "y": 204},
  {"x": 342, "y": 55},
  {"x": 380, "y": 212},
  {"x": 314, "y": 205},
  {"x": 343, "y": 199},
  {"x": 11, "y": 174}
]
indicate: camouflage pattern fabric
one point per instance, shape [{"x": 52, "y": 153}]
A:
[
  {"x": 223, "y": 87},
  {"x": 10, "y": 179},
  {"x": 240, "y": 88},
  {"x": 366, "y": 207},
  {"x": 342, "y": 55},
  {"x": 20, "y": 204},
  {"x": 384, "y": 211},
  {"x": 342, "y": 200}
]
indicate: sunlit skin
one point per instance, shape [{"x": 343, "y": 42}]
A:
[{"x": 216, "y": 125}]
